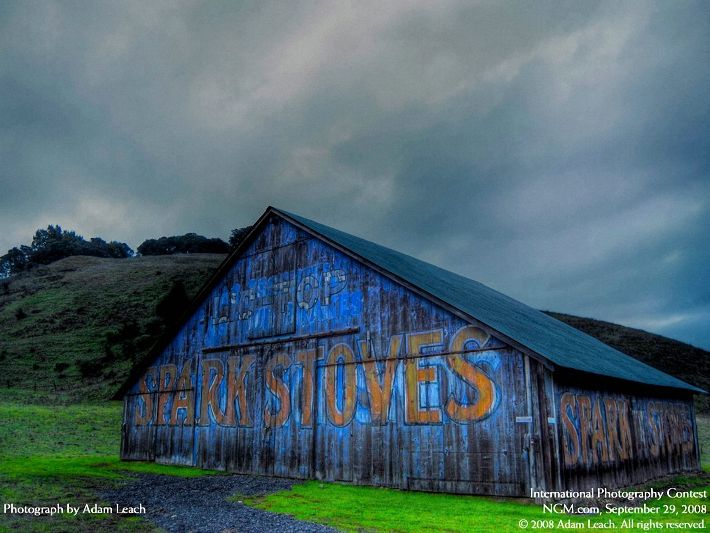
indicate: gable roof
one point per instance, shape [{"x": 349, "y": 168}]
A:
[
  {"x": 551, "y": 339},
  {"x": 559, "y": 343}
]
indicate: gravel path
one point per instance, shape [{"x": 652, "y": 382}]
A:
[{"x": 199, "y": 504}]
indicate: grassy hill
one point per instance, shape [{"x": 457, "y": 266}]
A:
[{"x": 72, "y": 330}]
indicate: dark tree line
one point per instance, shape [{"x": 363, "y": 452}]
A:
[
  {"x": 192, "y": 243},
  {"x": 51, "y": 244},
  {"x": 54, "y": 243}
]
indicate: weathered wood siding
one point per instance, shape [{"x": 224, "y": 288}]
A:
[
  {"x": 306, "y": 363},
  {"x": 610, "y": 438}
]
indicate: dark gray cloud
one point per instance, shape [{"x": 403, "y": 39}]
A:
[{"x": 558, "y": 152}]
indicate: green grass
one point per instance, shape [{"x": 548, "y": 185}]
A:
[
  {"x": 65, "y": 454},
  {"x": 353, "y": 508},
  {"x": 59, "y": 430}
]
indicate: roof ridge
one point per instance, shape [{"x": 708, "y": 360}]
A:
[{"x": 449, "y": 287}]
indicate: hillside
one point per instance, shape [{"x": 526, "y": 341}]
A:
[
  {"x": 72, "y": 330},
  {"x": 687, "y": 362}
]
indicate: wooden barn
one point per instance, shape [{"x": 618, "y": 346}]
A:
[{"x": 312, "y": 353}]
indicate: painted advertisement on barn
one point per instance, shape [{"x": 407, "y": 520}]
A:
[
  {"x": 610, "y": 436},
  {"x": 306, "y": 363}
]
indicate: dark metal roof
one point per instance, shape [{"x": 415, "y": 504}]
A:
[{"x": 562, "y": 345}]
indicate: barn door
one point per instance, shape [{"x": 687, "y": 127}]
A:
[
  {"x": 261, "y": 435},
  {"x": 286, "y": 414},
  {"x": 158, "y": 420},
  {"x": 138, "y": 428},
  {"x": 175, "y": 414}
]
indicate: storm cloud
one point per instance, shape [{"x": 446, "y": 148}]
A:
[{"x": 556, "y": 151}]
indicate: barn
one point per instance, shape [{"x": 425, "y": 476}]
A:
[{"x": 312, "y": 353}]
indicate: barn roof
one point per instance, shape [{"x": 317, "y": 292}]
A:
[{"x": 559, "y": 343}]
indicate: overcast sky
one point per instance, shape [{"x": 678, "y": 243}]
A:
[{"x": 556, "y": 151}]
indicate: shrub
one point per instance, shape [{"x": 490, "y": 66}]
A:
[
  {"x": 90, "y": 368},
  {"x": 173, "y": 304}
]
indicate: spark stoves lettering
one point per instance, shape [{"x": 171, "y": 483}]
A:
[
  {"x": 602, "y": 429},
  {"x": 227, "y": 392}
]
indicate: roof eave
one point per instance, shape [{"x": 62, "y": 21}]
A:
[{"x": 417, "y": 290}]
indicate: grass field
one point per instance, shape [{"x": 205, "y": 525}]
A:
[{"x": 65, "y": 454}]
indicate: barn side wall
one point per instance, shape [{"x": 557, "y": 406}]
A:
[
  {"x": 612, "y": 438},
  {"x": 308, "y": 364}
]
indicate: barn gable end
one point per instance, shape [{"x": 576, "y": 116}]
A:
[{"x": 301, "y": 359}]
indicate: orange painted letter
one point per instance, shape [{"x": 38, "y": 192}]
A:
[
  {"x": 615, "y": 449},
  {"x": 598, "y": 435},
  {"x": 147, "y": 397},
  {"x": 236, "y": 387},
  {"x": 276, "y": 385},
  {"x": 585, "y": 425},
  {"x": 307, "y": 359},
  {"x": 210, "y": 393},
  {"x": 567, "y": 402},
  {"x": 167, "y": 385},
  {"x": 184, "y": 398},
  {"x": 472, "y": 376},
  {"x": 340, "y": 356},
  {"x": 380, "y": 395},
  {"x": 414, "y": 374}
]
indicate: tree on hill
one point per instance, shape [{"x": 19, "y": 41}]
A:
[
  {"x": 52, "y": 244},
  {"x": 237, "y": 236},
  {"x": 173, "y": 305},
  {"x": 15, "y": 260},
  {"x": 190, "y": 243}
]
